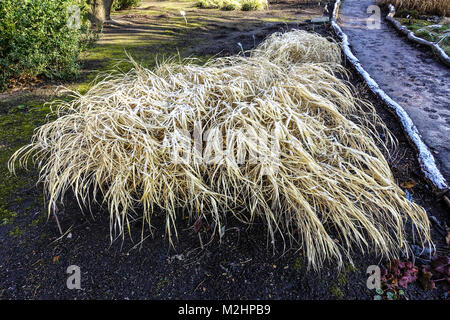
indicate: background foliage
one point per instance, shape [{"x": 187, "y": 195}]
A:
[
  {"x": 245, "y": 5},
  {"x": 35, "y": 39},
  {"x": 125, "y": 4}
]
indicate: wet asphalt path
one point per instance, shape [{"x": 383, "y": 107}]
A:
[{"x": 407, "y": 73}]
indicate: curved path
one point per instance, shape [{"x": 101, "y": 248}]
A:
[{"x": 408, "y": 74}]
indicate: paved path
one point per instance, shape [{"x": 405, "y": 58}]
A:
[{"x": 406, "y": 73}]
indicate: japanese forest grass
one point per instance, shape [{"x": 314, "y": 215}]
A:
[{"x": 282, "y": 139}]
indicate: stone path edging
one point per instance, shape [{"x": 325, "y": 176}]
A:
[
  {"x": 443, "y": 57},
  {"x": 426, "y": 159}
]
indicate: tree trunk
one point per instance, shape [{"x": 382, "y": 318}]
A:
[{"x": 101, "y": 11}]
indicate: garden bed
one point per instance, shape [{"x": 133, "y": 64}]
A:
[
  {"x": 241, "y": 267},
  {"x": 430, "y": 28}
]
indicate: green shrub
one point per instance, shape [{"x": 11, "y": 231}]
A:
[
  {"x": 37, "y": 39},
  {"x": 209, "y": 4},
  {"x": 248, "y": 5},
  {"x": 245, "y": 5},
  {"x": 231, "y": 5},
  {"x": 125, "y": 4}
]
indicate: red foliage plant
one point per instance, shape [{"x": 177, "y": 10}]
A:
[
  {"x": 438, "y": 271},
  {"x": 399, "y": 274}
]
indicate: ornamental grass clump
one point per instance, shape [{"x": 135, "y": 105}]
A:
[
  {"x": 438, "y": 7},
  {"x": 275, "y": 136}
]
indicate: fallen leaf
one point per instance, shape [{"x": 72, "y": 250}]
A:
[
  {"x": 408, "y": 184},
  {"x": 55, "y": 259}
]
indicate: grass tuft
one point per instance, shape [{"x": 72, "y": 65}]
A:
[
  {"x": 275, "y": 136},
  {"x": 437, "y": 7}
]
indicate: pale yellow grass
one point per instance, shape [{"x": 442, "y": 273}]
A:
[
  {"x": 437, "y": 7},
  {"x": 325, "y": 187}
]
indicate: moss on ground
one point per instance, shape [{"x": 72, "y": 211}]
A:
[
  {"x": 160, "y": 286},
  {"x": 336, "y": 291},
  {"x": 419, "y": 27},
  {"x": 6, "y": 216},
  {"x": 17, "y": 125},
  {"x": 39, "y": 220},
  {"x": 298, "y": 264},
  {"x": 17, "y": 231},
  {"x": 342, "y": 281}
]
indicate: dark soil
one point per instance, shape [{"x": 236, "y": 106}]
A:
[{"x": 243, "y": 265}]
